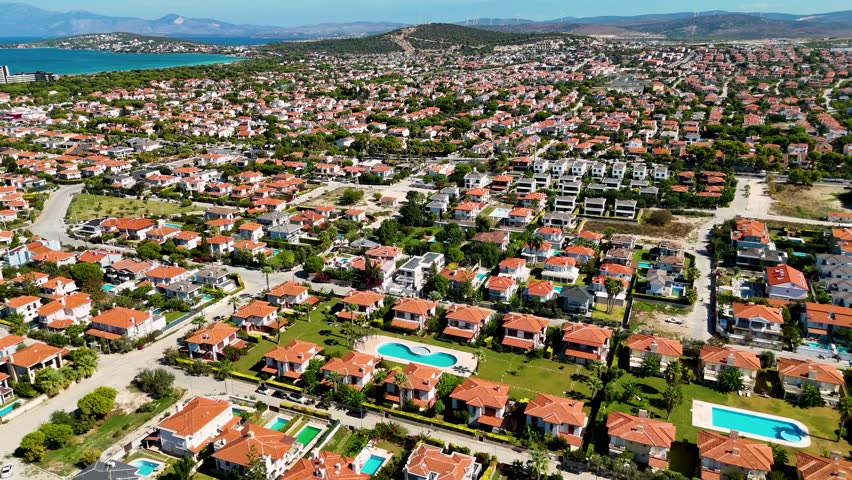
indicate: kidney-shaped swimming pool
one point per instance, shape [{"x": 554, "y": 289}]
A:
[{"x": 417, "y": 354}]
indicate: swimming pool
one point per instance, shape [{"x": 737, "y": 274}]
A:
[
  {"x": 278, "y": 424},
  {"x": 645, "y": 265},
  {"x": 557, "y": 289},
  {"x": 206, "y": 298},
  {"x": 677, "y": 291},
  {"x": 237, "y": 411},
  {"x": 820, "y": 346},
  {"x": 144, "y": 466},
  {"x": 307, "y": 434},
  {"x": 174, "y": 225},
  {"x": 373, "y": 464},
  {"x": 801, "y": 254},
  {"x": 757, "y": 425},
  {"x": 418, "y": 354},
  {"x": 480, "y": 277},
  {"x": 108, "y": 287},
  {"x": 8, "y": 408}
]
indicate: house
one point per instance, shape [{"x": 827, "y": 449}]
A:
[
  {"x": 514, "y": 268},
  {"x": 23, "y": 364},
  {"x": 291, "y": 360},
  {"x": 166, "y": 275},
  {"x": 576, "y": 300},
  {"x": 127, "y": 270},
  {"x": 110, "y": 470},
  {"x": 414, "y": 385},
  {"x": 213, "y": 277},
  {"x": 759, "y": 322},
  {"x": 731, "y": 456},
  {"x": 26, "y": 306},
  {"x": 583, "y": 343},
  {"x": 195, "y": 425},
  {"x": 355, "y": 369},
  {"x": 621, "y": 256},
  {"x": 526, "y": 332},
  {"x": 360, "y": 304},
  {"x": 537, "y": 253},
  {"x": 238, "y": 447},
  {"x": 561, "y": 220},
  {"x": 499, "y": 238},
  {"x": 665, "y": 350},
  {"x": 209, "y": 342},
  {"x": 501, "y": 289},
  {"x": 427, "y": 462},
  {"x": 558, "y": 417},
  {"x": 257, "y": 316},
  {"x": 714, "y": 360},
  {"x": 795, "y": 374},
  {"x": 125, "y": 322},
  {"x": 66, "y": 310},
  {"x": 786, "y": 283},
  {"x": 520, "y": 217},
  {"x": 411, "y": 276},
  {"x": 647, "y": 440},
  {"x": 666, "y": 248},
  {"x": 818, "y": 467},
  {"x": 594, "y": 206},
  {"x": 658, "y": 282},
  {"x": 560, "y": 269},
  {"x": 464, "y": 322},
  {"x": 412, "y": 313},
  {"x": 748, "y": 233},
  {"x": 540, "y": 291},
  {"x": 485, "y": 402},
  {"x": 580, "y": 253},
  {"x": 288, "y": 294},
  {"x": 625, "y": 208},
  {"x": 324, "y": 465}
]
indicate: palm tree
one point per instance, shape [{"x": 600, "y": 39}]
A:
[
  {"x": 234, "y": 301},
  {"x": 266, "y": 271},
  {"x": 225, "y": 369},
  {"x": 401, "y": 380},
  {"x": 335, "y": 379},
  {"x": 673, "y": 373},
  {"x": 613, "y": 287},
  {"x": 479, "y": 356},
  {"x": 844, "y": 407},
  {"x": 595, "y": 386},
  {"x": 539, "y": 463}
]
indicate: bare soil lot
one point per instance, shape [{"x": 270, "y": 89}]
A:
[
  {"x": 811, "y": 202},
  {"x": 647, "y": 316},
  {"x": 679, "y": 229}
]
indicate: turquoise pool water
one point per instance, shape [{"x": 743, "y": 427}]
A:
[
  {"x": 278, "y": 424},
  {"x": 8, "y": 408},
  {"x": 108, "y": 288},
  {"x": 417, "y": 354},
  {"x": 801, "y": 254},
  {"x": 557, "y": 289},
  {"x": 372, "y": 465},
  {"x": 237, "y": 411},
  {"x": 645, "y": 265},
  {"x": 756, "y": 424},
  {"x": 480, "y": 277},
  {"x": 817, "y": 345},
  {"x": 307, "y": 434},
  {"x": 145, "y": 467},
  {"x": 174, "y": 225},
  {"x": 677, "y": 291},
  {"x": 206, "y": 298}
]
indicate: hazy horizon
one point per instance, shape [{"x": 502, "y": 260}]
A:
[{"x": 291, "y": 13}]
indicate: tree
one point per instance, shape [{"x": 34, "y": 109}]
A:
[
  {"x": 810, "y": 396},
  {"x": 98, "y": 403},
  {"x": 335, "y": 379},
  {"x": 266, "y": 271},
  {"x": 613, "y": 287},
  {"x": 90, "y": 456},
  {"x": 32, "y": 446},
  {"x": 779, "y": 456},
  {"x": 844, "y": 408},
  {"x": 89, "y": 275},
  {"x": 49, "y": 381},
  {"x": 629, "y": 392},
  {"x": 56, "y": 435},
  {"x": 730, "y": 380},
  {"x": 388, "y": 231},
  {"x": 401, "y": 381},
  {"x": 351, "y": 196},
  {"x": 314, "y": 264},
  {"x": 156, "y": 382},
  {"x": 17, "y": 324},
  {"x": 659, "y": 218},
  {"x": 539, "y": 463},
  {"x": 182, "y": 469},
  {"x": 767, "y": 359},
  {"x": 85, "y": 360},
  {"x": 595, "y": 386},
  {"x": 149, "y": 251},
  {"x": 479, "y": 356},
  {"x": 651, "y": 366},
  {"x": 257, "y": 467},
  {"x": 225, "y": 368},
  {"x": 673, "y": 373},
  {"x": 673, "y": 396}
]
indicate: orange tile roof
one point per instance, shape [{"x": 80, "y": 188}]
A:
[
  {"x": 525, "y": 323},
  {"x": 419, "y": 377},
  {"x": 21, "y": 301},
  {"x": 323, "y": 467},
  {"x": 35, "y": 354},
  {"x": 740, "y": 452},
  {"x": 165, "y": 272},
  {"x": 829, "y": 314},
  {"x": 746, "y": 310},
  {"x": 790, "y": 367},
  {"x": 482, "y": 393},
  {"x": 354, "y": 364},
  {"x": 239, "y": 444},
  {"x": 121, "y": 317},
  {"x": 664, "y": 346},
  {"x": 10, "y": 340},
  {"x": 722, "y": 355},
  {"x": 415, "y": 306},
  {"x": 257, "y": 308},
  {"x": 817, "y": 467},
  {"x": 290, "y": 289},
  {"x": 468, "y": 313},
  {"x": 556, "y": 410},
  {"x": 426, "y": 460},
  {"x": 585, "y": 334},
  {"x": 197, "y": 413},
  {"x": 363, "y": 298},
  {"x": 501, "y": 284},
  {"x": 640, "y": 430},
  {"x": 297, "y": 351},
  {"x": 786, "y": 274},
  {"x": 212, "y": 334}
]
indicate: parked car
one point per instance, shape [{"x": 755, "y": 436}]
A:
[
  {"x": 6, "y": 472},
  {"x": 298, "y": 398},
  {"x": 263, "y": 389}
]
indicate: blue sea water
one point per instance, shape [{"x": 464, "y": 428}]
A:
[{"x": 71, "y": 62}]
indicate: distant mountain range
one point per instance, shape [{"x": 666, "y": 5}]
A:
[{"x": 20, "y": 19}]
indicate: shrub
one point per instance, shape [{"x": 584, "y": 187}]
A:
[
  {"x": 32, "y": 447},
  {"x": 89, "y": 457},
  {"x": 83, "y": 424},
  {"x": 156, "y": 382},
  {"x": 56, "y": 436},
  {"x": 659, "y": 218},
  {"x": 99, "y": 402}
]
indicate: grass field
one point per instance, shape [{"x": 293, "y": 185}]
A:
[
  {"x": 87, "y": 207},
  {"x": 811, "y": 202},
  {"x": 679, "y": 229},
  {"x": 101, "y": 437},
  {"x": 525, "y": 376}
]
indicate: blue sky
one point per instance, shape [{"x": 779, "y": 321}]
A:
[{"x": 301, "y": 12}]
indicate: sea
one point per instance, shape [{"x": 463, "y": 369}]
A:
[{"x": 74, "y": 62}]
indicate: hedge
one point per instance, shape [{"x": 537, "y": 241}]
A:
[
  {"x": 489, "y": 472},
  {"x": 306, "y": 410}
]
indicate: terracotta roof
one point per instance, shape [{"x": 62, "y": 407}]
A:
[
  {"x": 166, "y": 272},
  {"x": 354, "y": 364},
  {"x": 131, "y": 265},
  {"x": 297, "y": 351},
  {"x": 427, "y": 461},
  {"x": 10, "y": 340},
  {"x": 257, "y": 308},
  {"x": 290, "y": 289},
  {"x": 640, "y": 430},
  {"x": 805, "y": 369},
  {"x": 500, "y": 283},
  {"x": 482, "y": 393},
  {"x": 419, "y": 377},
  {"x": 783, "y": 274},
  {"x": 556, "y": 410},
  {"x": 525, "y": 323},
  {"x": 723, "y": 355},
  {"x": 212, "y": 334},
  {"x": 738, "y": 451},
  {"x": 121, "y": 317},
  {"x": 415, "y": 306},
  {"x": 817, "y": 467},
  {"x": 585, "y": 334},
  {"x": 513, "y": 263},
  {"x": 35, "y": 354},
  {"x": 829, "y": 314},
  {"x": 468, "y": 313},
  {"x": 21, "y": 301},
  {"x": 197, "y": 413},
  {"x": 324, "y": 467},
  {"x": 363, "y": 298},
  {"x": 239, "y": 444},
  {"x": 539, "y": 288},
  {"x": 745, "y": 310},
  {"x": 664, "y": 346}
]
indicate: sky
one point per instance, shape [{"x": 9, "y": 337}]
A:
[{"x": 304, "y": 12}]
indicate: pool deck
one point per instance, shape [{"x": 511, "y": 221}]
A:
[
  {"x": 465, "y": 366},
  {"x": 367, "y": 452},
  {"x": 702, "y": 417}
]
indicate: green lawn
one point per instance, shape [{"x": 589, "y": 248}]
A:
[
  {"x": 339, "y": 441},
  {"x": 600, "y": 314},
  {"x": 668, "y": 309},
  {"x": 172, "y": 316},
  {"x": 87, "y": 207},
  {"x": 247, "y": 362},
  {"x": 104, "y": 435}
]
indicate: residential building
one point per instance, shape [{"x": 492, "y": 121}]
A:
[
  {"x": 526, "y": 332},
  {"x": 560, "y": 269},
  {"x": 288, "y": 294},
  {"x": 758, "y": 322},
  {"x": 558, "y": 417},
  {"x": 665, "y": 351},
  {"x": 26, "y": 306},
  {"x": 658, "y": 282},
  {"x": 540, "y": 291},
  {"x": 583, "y": 343},
  {"x": 195, "y": 425},
  {"x": 625, "y": 208},
  {"x": 209, "y": 342},
  {"x": 427, "y": 462},
  {"x": 324, "y": 465},
  {"x": 724, "y": 457},
  {"x": 795, "y": 374},
  {"x": 291, "y": 360},
  {"x": 714, "y": 360},
  {"x": 355, "y": 369},
  {"x": 411, "y": 276},
  {"x": 125, "y": 322},
  {"x": 464, "y": 322},
  {"x": 501, "y": 289},
  {"x": 786, "y": 283},
  {"x": 360, "y": 304},
  {"x": 594, "y": 206},
  {"x": 23, "y": 364},
  {"x": 818, "y": 467},
  {"x": 485, "y": 401},
  {"x": 648, "y": 440},
  {"x": 109, "y": 470},
  {"x": 238, "y": 447},
  {"x": 414, "y": 385},
  {"x": 822, "y": 321},
  {"x": 412, "y": 313},
  {"x": 577, "y": 301},
  {"x": 514, "y": 268},
  {"x": 257, "y": 316}
]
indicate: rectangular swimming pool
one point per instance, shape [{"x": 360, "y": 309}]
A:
[
  {"x": 372, "y": 465},
  {"x": 278, "y": 424},
  {"x": 307, "y": 434},
  {"x": 8, "y": 408},
  {"x": 144, "y": 466},
  {"x": 756, "y": 425}
]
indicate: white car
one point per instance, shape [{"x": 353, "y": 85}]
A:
[
  {"x": 675, "y": 320},
  {"x": 6, "y": 472}
]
